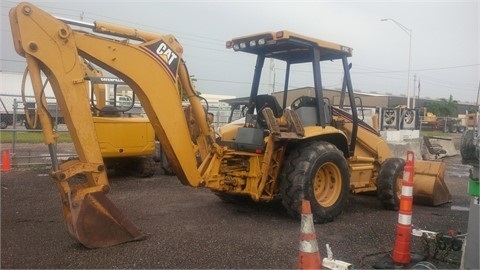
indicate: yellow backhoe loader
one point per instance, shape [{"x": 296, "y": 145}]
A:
[{"x": 304, "y": 150}]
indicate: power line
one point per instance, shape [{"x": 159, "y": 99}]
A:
[
  {"x": 85, "y": 15},
  {"x": 424, "y": 80},
  {"x": 418, "y": 70},
  {"x": 209, "y": 40}
]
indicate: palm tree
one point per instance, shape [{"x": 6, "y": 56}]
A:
[{"x": 443, "y": 107}]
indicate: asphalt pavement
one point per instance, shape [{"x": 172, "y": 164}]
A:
[{"x": 192, "y": 228}]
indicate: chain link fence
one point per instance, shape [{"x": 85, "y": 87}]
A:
[{"x": 21, "y": 133}]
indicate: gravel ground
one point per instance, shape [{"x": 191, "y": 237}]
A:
[{"x": 192, "y": 228}]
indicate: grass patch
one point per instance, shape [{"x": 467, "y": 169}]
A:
[
  {"x": 433, "y": 133},
  {"x": 6, "y": 136}
]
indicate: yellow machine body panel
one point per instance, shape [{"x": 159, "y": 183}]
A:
[{"x": 124, "y": 137}]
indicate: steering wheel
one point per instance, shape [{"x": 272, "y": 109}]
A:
[{"x": 303, "y": 101}]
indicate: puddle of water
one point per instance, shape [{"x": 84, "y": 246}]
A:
[
  {"x": 458, "y": 170},
  {"x": 460, "y": 208}
]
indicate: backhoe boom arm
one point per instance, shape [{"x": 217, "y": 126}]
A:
[{"x": 151, "y": 68}]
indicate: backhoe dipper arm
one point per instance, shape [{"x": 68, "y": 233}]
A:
[{"x": 149, "y": 68}]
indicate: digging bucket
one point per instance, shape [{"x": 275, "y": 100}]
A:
[{"x": 96, "y": 222}]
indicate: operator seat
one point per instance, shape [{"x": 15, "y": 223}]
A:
[
  {"x": 306, "y": 109},
  {"x": 110, "y": 111},
  {"x": 434, "y": 148},
  {"x": 264, "y": 101}
]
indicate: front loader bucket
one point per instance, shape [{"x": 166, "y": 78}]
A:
[
  {"x": 96, "y": 222},
  {"x": 429, "y": 187}
]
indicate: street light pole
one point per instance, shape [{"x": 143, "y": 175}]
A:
[{"x": 409, "y": 33}]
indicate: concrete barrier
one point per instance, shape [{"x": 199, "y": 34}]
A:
[
  {"x": 401, "y": 141},
  {"x": 447, "y": 145},
  {"x": 399, "y": 148}
]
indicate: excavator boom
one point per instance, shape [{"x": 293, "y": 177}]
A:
[{"x": 89, "y": 214}]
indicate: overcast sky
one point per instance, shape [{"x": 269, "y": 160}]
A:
[{"x": 445, "y": 36}]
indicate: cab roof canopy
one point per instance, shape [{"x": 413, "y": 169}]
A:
[{"x": 288, "y": 46}]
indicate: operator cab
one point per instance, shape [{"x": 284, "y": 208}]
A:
[
  {"x": 294, "y": 49},
  {"x": 117, "y": 105}
]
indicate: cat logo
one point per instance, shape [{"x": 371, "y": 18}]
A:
[{"x": 162, "y": 51}]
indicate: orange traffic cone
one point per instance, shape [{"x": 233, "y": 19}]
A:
[
  {"x": 309, "y": 256},
  {"x": 401, "y": 251},
  {"x": 6, "y": 164}
]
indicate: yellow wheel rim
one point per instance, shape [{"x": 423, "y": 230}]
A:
[{"x": 327, "y": 184}]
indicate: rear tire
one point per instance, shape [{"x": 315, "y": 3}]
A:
[
  {"x": 389, "y": 183},
  {"x": 3, "y": 125},
  {"x": 468, "y": 147},
  {"x": 318, "y": 172}
]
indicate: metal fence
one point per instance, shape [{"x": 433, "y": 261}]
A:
[
  {"x": 26, "y": 148},
  {"x": 24, "y": 142}
]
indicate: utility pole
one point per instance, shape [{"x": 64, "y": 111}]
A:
[
  {"x": 271, "y": 77},
  {"x": 478, "y": 93},
  {"x": 414, "y": 85},
  {"x": 408, "y": 31},
  {"x": 478, "y": 110}
]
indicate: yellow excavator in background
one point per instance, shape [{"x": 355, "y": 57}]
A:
[
  {"x": 126, "y": 140},
  {"x": 308, "y": 149}
]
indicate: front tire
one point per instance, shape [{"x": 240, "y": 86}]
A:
[
  {"x": 389, "y": 183},
  {"x": 318, "y": 172}
]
